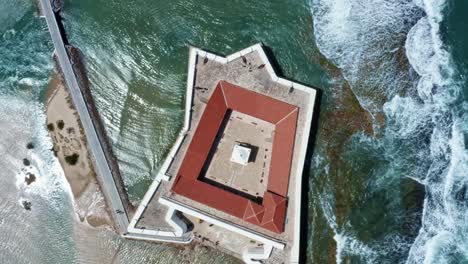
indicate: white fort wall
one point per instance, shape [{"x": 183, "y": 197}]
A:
[{"x": 175, "y": 236}]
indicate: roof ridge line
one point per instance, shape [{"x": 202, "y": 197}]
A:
[
  {"x": 286, "y": 116},
  {"x": 245, "y": 212},
  {"x": 222, "y": 91}
]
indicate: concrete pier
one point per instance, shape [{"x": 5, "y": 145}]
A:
[{"x": 108, "y": 177}]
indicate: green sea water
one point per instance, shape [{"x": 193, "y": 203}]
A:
[
  {"x": 388, "y": 176},
  {"x": 137, "y": 56}
]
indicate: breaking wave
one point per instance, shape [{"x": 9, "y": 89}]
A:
[
  {"x": 50, "y": 182},
  {"x": 364, "y": 38},
  {"x": 24, "y": 75},
  {"x": 425, "y": 113}
]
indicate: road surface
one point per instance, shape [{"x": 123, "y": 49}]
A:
[{"x": 96, "y": 149}]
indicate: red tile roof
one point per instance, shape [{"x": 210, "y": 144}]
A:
[{"x": 271, "y": 213}]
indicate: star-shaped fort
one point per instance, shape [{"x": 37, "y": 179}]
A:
[{"x": 233, "y": 179}]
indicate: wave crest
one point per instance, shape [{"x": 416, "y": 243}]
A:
[{"x": 426, "y": 126}]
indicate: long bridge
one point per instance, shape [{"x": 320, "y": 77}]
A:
[
  {"x": 111, "y": 184},
  {"x": 95, "y": 144}
]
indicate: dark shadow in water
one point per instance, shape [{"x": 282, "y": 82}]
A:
[
  {"x": 274, "y": 63},
  {"x": 59, "y": 19},
  {"x": 308, "y": 158},
  {"x": 305, "y": 179}
]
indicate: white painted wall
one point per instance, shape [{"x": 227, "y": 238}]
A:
[{"x": 254, "y": 253}]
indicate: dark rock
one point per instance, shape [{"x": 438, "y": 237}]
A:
[
  {"x": 57, "y": 5},
  {"x": 30, "y": 145},
  {"x": 26, "y": 162},
  {"x": 27, "y": 205},
  {"x": 30, "y": 178}
]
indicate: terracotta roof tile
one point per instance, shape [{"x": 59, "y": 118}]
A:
[{"x": 271, "y": 213}]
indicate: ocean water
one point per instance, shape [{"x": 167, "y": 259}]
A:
[
  {"x": 388, "y": 178},
  {"x": 137, "y": 58},
  {"x": 410, "y": 205}
]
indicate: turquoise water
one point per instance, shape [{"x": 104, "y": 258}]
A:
[
  {"x": 388, "y": 175},
  {"x": 50, "y": 231},
  {"x": 137, "y": 55},
  {"x": 24, "y": 70},
  {"x": 397, "y": 194}
]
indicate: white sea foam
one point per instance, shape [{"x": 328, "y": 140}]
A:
[
  {"x": 31, "y": 82},
  {"x": 346, "y": 244},
  {"x": 420, "y": 48},
  {"x": 345, "y": 32},
  {"x": 352, "y": 246},
  {"x": 9, "y": 34},
  {"x": 407, "y": 115},
  {"x": 362, "y": 38},
  {"x": 50, "y": 180},
  {"x": 444, "y": 232}
]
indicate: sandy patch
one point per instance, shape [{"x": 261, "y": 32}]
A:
[{"x": 70, "y": 148}]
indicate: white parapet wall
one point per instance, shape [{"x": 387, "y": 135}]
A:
[
  {"x": 162, "y": 173},
  {"x": 256, "y": 254},
  {"x": 179, "y": 226},
  {"x": 221, "y": 223}
]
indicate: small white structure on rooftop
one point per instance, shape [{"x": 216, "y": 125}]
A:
[{"x": 240, "y": 154}]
